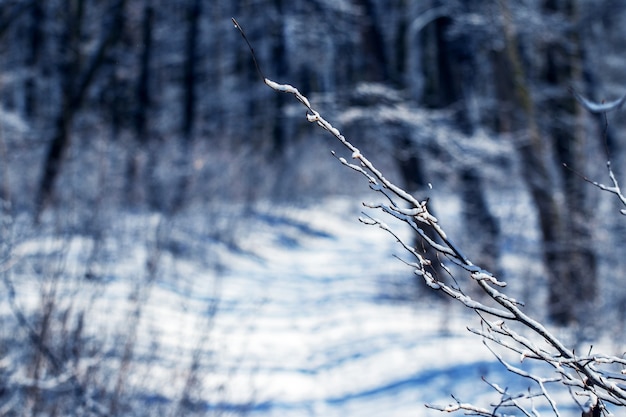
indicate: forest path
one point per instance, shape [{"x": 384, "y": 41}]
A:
[{"x": 326, "y": 338}]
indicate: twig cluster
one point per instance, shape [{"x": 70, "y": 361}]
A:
[{"x": 599, "y": 378}]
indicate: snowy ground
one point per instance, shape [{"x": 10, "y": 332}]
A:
[
  {"x": 328, "y": 341},
  {"x": 310, "y": 315},
  {"x": 316, "y": 323}
]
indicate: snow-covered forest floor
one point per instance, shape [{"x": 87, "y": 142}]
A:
[{"x": 307, "y": 313}]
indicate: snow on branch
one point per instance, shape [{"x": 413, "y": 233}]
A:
[
  {"x": 570, "y": 370},
  {"x": 599, "y": 107},
  {"x": 614, "y": 189}
]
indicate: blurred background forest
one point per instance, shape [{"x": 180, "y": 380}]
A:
[{"x": 154, "y": 106}]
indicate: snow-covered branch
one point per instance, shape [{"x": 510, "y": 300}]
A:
[
  {"x": 614, "y": 189},
  {"x": 582, "y": 372}
]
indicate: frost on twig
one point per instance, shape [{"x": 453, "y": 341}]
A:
[{"x": 594, "y": 376}]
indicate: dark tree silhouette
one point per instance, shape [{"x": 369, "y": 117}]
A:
[{"x": 77, "y": 74}]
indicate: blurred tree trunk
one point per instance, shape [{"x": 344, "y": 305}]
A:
[
  {"x": 575, "y": 261},
  {"x": 570, "y": 264},
  {"x": 480, "y": 223},
  {"x": 69, "y": 69},
  {"x": 374, "y": 66},
  {"x": 448, "y": 68},
  {"x": 375, "y": 62},
  {"x": 136, "y": 158},
  {"x": 281, "y": 69},
  {"x": 143, "y": 81},
  {"x": 189, "y": 103},
  {"x": 10, "y": 14},
  {"x": 136, "y": 164},
  {"x": 35, "y": 44},
  {"x": 194, "y": 11},
  {"x": 408, "y": 155},
  {"x": 77, "y": 74}
]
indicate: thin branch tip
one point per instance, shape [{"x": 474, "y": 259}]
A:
[{"x": 245, "y": 38}]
